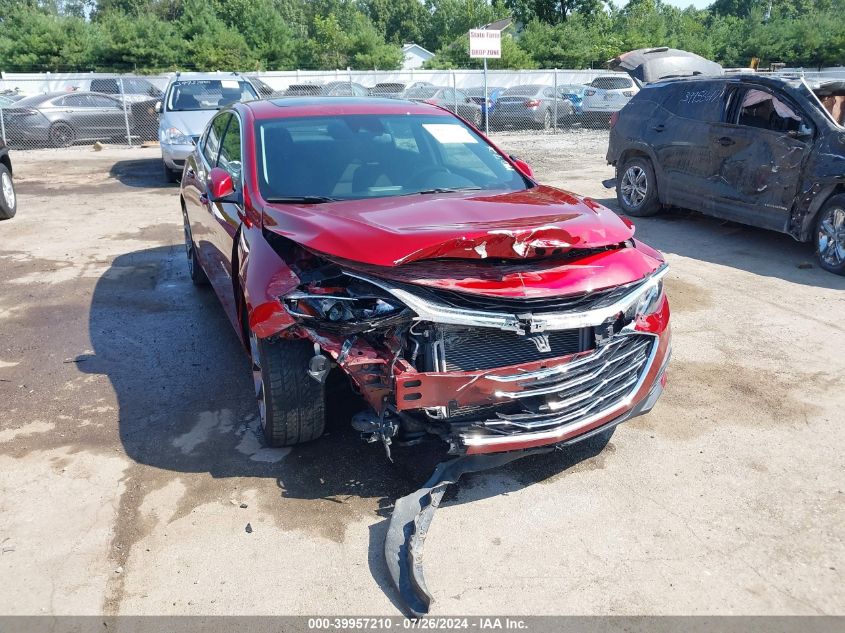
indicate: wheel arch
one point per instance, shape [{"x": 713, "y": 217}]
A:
[
  {"x": 808, "y": 222},
  {"x": 7, "y": 162},
  {"x": 642, "y": 151}
]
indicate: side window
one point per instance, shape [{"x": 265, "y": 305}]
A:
[
  {"x": 98, "y": 101},
  {"x": 764, "y": 110},
  {"x": 549, "y": 92},
  {"x": 76, "y": 101},
  {"x": 360, "y": 91},
  {"x": 448, "y": 95},
  {"x": 230, "y": 150},
  {"x": 701, "y": 101},
  {"x": 212, "y": 140}
]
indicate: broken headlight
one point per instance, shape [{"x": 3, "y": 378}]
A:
[
  {"x": 649, "y": 300},
  {"x": 354, "y": 302}
]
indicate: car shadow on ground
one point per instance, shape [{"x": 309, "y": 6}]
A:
[
  {"x": 145, "y": 173},
  {"x": 758, "y": 251},
  {"x": 185, "y": 401}
]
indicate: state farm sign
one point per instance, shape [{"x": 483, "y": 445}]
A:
[{"x": 485, "y": 43}]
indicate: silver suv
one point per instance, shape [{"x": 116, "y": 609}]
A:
[
  {"x": 605, "y": 95},
  {"x": 189, "y": 102}
]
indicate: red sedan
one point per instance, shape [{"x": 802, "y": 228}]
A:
[{"x": 393, "y": 242}]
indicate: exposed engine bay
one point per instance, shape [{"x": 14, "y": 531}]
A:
[{"x": 476, "y": 370}]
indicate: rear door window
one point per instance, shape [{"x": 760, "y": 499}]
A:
[{"x": 701, "y": 101}]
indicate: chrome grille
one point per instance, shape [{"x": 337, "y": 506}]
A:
[
  {"x": 470, "y": 349},
  {"x": 580, "y": 388}
]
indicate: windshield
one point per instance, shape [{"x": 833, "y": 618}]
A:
[
  {"x": 611, "y": 83},
  {"x": 375, "y": 156},
  {"x": 207, "y": 94},
  {"x": 522, "y": 91}
]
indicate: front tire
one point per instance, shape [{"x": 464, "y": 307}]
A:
[
  {"x": 636, "y": 188},
  {"x": 292, "y": 405},
  {"x": 195, "y": 269},
  {"x": 830, "y": 235},
  {"x": 8, "y": 199}
]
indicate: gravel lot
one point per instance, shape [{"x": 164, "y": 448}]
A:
[{"x": 130, "y": 465}]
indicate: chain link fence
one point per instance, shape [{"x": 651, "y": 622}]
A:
[
  {"x": 63, "y": 110},
  {"x": 60, "y": 110}
]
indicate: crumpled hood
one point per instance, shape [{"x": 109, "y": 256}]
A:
[
  {"x": 191, "y": 122},
  {"x": 647, "y": 65},
  {"x": 473, "y": 225}
]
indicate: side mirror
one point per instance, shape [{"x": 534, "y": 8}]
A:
[
  {"x": 523, "y": 167},
  {"x": 220, "y": 185},
  {"x": 158, "y": 107}
]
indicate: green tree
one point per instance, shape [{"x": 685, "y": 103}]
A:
[
  {"x": 400, "y": 21},
  {"x": 551, "y": 11}
]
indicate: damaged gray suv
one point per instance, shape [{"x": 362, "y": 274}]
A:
[{"x": 760, "y": 150}]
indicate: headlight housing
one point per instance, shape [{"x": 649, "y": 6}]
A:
[
  {"x": 175, "y": 136},
  {"x": 649, "y": 300},
  {"x": 348, "y": 305}
]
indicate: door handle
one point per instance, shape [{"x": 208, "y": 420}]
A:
[
  {"x": 659, "y": 128},
  {"x": 725, "y": 141},
  {"x": 190, "y": 172}
]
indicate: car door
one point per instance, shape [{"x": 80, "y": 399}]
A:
[
  {"x": 223, "y": 218},
  {"x": 679, "y": 131},
  {"x": 194, "y": 191},
  {"x": 78, "y": 110},
  {"x": 109, "y": 116},
  {"x": 761, "y": 148}
]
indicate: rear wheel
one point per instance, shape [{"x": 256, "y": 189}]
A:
[
  {"x": 830, "y": 235},
  {"x": 477, "y": 119},
  {"x": 8, "y": 199},
  {"x": 292, "y": 405},
  {"x": 636, "y": 188},
  {"x": 61, "y": 134},
  {"x": 547, "y": 120}
]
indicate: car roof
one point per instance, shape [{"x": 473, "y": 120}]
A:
[
  {"x": 212, "y": 76},
  {"x": 330, "y": 106}
]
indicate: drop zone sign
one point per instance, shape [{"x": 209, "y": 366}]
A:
[{"x": 485, "y": 43}]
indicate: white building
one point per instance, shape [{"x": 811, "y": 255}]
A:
[{"x": 415, "y": 56}]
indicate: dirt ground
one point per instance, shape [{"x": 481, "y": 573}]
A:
[{"x": 132, "y": 479}]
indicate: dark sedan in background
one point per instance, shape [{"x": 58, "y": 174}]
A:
[
  {"x": 449, "y": 98},
  {"x": 488, "y": 104},
  {"x": 532, "y": 105},
  {"x": 61, "y": 118}
]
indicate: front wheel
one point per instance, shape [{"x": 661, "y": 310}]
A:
[
  {"x": 195, "y": 269},
  {"x": 292, "y": 405},
  {"x": 61, "y": 135},
  {"x": 636, "y": 188},
  {"x": 8, "y": 199},
  {"x": 830, "y": 235}
]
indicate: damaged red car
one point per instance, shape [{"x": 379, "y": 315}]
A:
[{"x": 393, "y": 242}]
